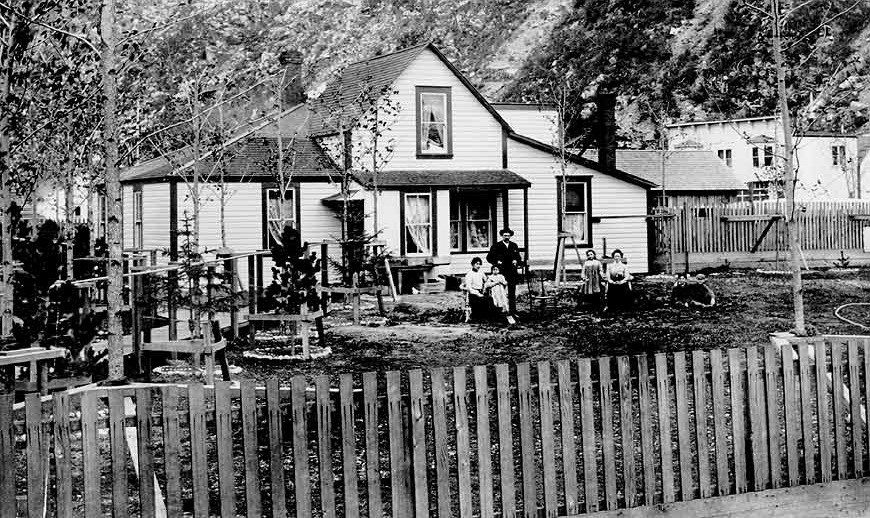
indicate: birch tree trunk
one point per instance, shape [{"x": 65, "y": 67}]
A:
[
  {"x": 113, "y": 192},
  {"x": 6, "y": 296}
]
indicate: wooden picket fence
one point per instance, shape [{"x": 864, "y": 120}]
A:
[{"x": 551, "y": 439}]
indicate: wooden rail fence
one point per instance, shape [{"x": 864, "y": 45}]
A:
[{"x": 549, "y": 439}]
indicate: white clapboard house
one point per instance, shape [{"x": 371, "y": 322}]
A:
[{"x": 459, "y": 169}]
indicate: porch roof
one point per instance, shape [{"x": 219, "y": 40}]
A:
[{"x": 491, "y": 178}]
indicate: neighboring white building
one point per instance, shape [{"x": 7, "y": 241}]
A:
[{"x": 827, "y": 163}]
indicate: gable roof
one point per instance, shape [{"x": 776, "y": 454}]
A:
[
  {"x": 247, "y": 154},
  {"x": 376, "y": 74},
  {"x": 585, "y": 162},
  {"x": 685, "y": 169}
]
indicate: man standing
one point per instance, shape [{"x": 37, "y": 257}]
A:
[{"x": 506, "y": 255}]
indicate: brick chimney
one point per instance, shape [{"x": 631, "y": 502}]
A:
[
  {"x": 292, "y": 94},
  {"x": 606, "y": 129}
]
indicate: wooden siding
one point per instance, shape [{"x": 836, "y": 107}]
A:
[
  {"x": 155, "y": 219},
  {"x": 127, "y": 215},
  {"x": 622, "y": 207},
  {"x": 532, "y": 121}
]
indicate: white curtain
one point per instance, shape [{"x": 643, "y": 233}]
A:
[
  {"x": 576, "y": 225},
  {"x": 417, "y": 221},
  {"x": 279, "y": 216}
]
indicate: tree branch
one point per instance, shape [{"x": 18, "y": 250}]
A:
[
  {"x": 78, "y": 37},
  {"x": 823, "y": 23}
]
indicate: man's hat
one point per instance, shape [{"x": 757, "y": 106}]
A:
[{"x": 506, "y": 231}]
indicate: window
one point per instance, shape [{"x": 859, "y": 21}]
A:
[
  {"x": 418, "y": 223},
  {"x": 725, "y": 156},
  {"x": 576, "y": 219},
  {"x": 768, "y": 157},
  {"x": 279, "y": 214},
  {"x": 137, "y": 217},
  {"x": 838, "y": 155},
  {"x": 472, "y": 225},
  {"x": 434, "y": 123}
]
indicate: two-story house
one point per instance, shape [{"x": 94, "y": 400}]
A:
[
  {"x": 456, "y": 172},
  {"x": 827, "y": 163}
]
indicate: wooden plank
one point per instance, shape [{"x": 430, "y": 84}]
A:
[
  {"x": 301, "y": 474},
  {"x": 36, "y": 456},
  {"x": 248, "y": 402},
  {"x": 7, "y": 456},
  {"x": 738, "y": 418},
  {"x": 700, "y": 392},
  {"x": 682, "y": 406},
  {"x": 771, "y": 384},
  {"x": 838, "y": 398},
  {"x": 400, "y": 499},
  {"x": 717, "y": 380},
  {"x": 608, "y": 446},
  {"x": 373, "y": 472},
  {"x": 646, "y": 432},
  {"x": 806, "y": 413},
  {"x": 757, "y": 426},
  {"x": 857, "y": 421},
  {"x": 224, "y": 446},
  {"x": 62, "y": 463},
  {"x": 198, "y": 459},
  {"x": 278, "y": 489},
  {"x": 484, "y": 443},
  {"x": 463, "y": 454},
  {"x": 348, "y": 446},
  {"x": 418, "y": 446},
  {"x": 569, "y": 452},
  {"x": 548, "y": 441},
  {"x": 439, "y": 434},
  {"x": 665, "y": 437},
  {"x": 792, "y": 436},
  {"x": 171, "y": 449},
  {"x": 865, "y": 346},
  {"x": 324, "y": 445},
  {"x": 527, "y": 443},
  {"x": 505, "y": 445},
  {"x": 626, "y": 422},
  {"x": 146, "y": 456},
  {"x": 118, "y": 444},
  {"x": 587, "y": 420},
  {"x": 822, "y": 407}
]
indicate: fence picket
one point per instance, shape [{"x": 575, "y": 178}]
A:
[
  {"x": 460, "y": 406},
  {"x": 646, "y": 433},
  {"x": 439, "y": 425},
  {"x": 587, "y": 421},
  {"x": 248, "y": 404},
  {"x": 418, "y": 438},
  {"x": 146, "y": 456},
  {"x": 548, "y": 444},
  {"x": 118, "y": 446},
  {"x": 791, "y": 418},
  {"x": 484, "y": 444},
  {"x": 682, "y": 408},
  {"x": 806, "y": 413},
  {"x": 224, "y": 446},
  {"x": 276, "y": 448},
  {"x": 608, "y": 446},
  {"x": 348, "y": 447},
  {"x": 505, "y": 443},
  {"x": 665, "y": 437},
  {"x": 822, "y": 407},
  {"x": 855, "y": 412},
  {"x": 171, "y": 449},
  {"x": 865, "y": 349},
  {"x": 373, "y": 471},
  {"x": 323, "y": 408},
  {"x": 626, "y": 422},
  {"x": 757, "y": 426},
  {"x": 198, "y": 459},
  {"x": 735, "y": 357},
  {"x": 527, "y": 442},
  {"x": 773, "y": 406},
  {"x": 7, "y": 457},
  {"x": 717, "y": 382},
  {"x": 302, "y": 476},
  {"x": 63, "y": 464},
  {"x": 569, "y": 452},
  {"x": 700, "y": 395},
  {"x": 837, "y": 397},
  {"x": 36, "y": 456}
]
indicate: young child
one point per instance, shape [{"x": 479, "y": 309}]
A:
[
  {"x": 497, "y": 286},
  {"x": 474, "y": 285},
  {"x": 591, "y": 279}
]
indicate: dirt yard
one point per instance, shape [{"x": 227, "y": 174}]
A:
[{"x": 426, "y": 330}]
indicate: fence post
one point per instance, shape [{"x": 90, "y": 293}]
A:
[
  {"x": 324, "y": 276},
  {"x": 231, "y": 266},
  {"x": 252, "y": 289},
  {"x": 136, "y": 316},
  {"x": 171, "y": 306}
]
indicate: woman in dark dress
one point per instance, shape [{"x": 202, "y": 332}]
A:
[{"x": 618, "y": 283}]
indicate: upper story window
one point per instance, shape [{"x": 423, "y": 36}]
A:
[
  {"x": 759, "y": 161},
  {"x": 725, "y": 156},
  {"x": 434, "y": 122},
  {"x": 838, "y": 155}
]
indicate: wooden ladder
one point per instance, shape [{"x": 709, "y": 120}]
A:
[{"x": 560, "y": 274}]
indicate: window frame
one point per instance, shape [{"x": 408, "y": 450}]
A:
[
  {"x": 446, "y": 91},
  {"x": 838, "y": 155},
  {"x": 758, "y": 158},
  {"x": 268, "y": 240},
  {"x": 726, "y": 156},
  {"x": 431, "y": 224},
  {"x": 138, "y": 219},
  {"x": 586, "y": 181},
  {"x": 461, "y": 200}
]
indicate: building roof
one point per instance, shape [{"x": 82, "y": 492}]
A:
[
  {"x": 446, "y": 178},
  {"x": 375, "y": 75},
  {"x": 721, "y": 121},
  {"x": 685, "y": 169}
]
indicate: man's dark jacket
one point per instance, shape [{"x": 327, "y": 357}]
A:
[{"x": 503, "y": 257}]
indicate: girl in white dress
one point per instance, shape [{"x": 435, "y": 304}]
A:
[{"x": 497, "y": 286}]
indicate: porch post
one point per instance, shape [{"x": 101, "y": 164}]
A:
[{"x": 526, "y": 223}]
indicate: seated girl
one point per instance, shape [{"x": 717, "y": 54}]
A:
[
  {"x": 475, "y": 286},
  {"x": 497, "y": 286}
]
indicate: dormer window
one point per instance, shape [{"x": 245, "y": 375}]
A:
[{"x": 434, "y": 122}]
